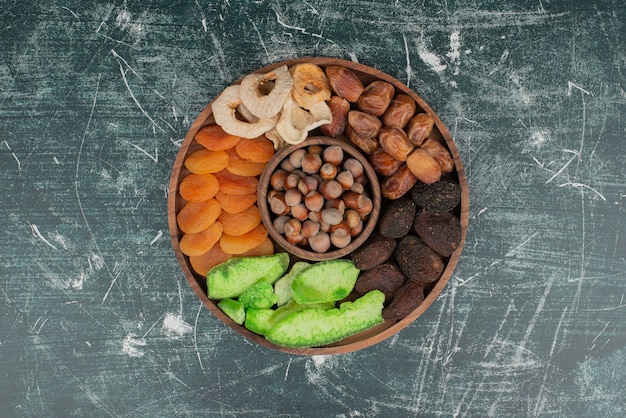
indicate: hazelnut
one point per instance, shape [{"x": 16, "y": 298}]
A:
[
  {"x": 332, "y": 216},
  {"x": 307, "y": 184},
  {"x": 346, "y": 179},
  {"x": 300, "y": 211},
  {"x": 320, "y": 242},
  {"x": 309, "y": 228},
  {"x": 292, "y": 227},
  {"x": 279, "y": 223},
  {"x": 314, "y": 201},
  {"x": 277, "y": 203},
  {"x": 328, "y": 171},
  {"x": 311, "y": 163},
  {"x": 277, "y": 180},
  {"x": 354, "y": 166},
  {"x": 295, "y": 158},
  {"x": 330, "y": 189},
  {"x": 293, "y": 197},
  {"x": 333, "y": 154}
]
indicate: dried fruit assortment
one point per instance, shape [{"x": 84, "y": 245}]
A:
[{"x": 319, "y": 196}]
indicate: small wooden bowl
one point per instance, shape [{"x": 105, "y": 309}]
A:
[
  {"x": 373, "y": 335},
  {"x": 372, "y": 188}
]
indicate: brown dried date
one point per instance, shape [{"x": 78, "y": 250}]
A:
[
  {"x": 339, "y": 109},
  {"x": 386, "y": 277},
  {"x": 418, "y": 261},
  {"x": 376, "y": 97},
  {"x": 419, "y": 128},
  {"x": 440, "y": 231},
  {"x": 384, "y": 163},
  {"x": 406, "y": 299},
  {"x": 400, "y": 111},
  {"x": 397, "y": 219},
  {"x": 344, "y": 82},
  {"x": 441, "y": 196},
  {"x": 395, "y": 143},
  {"x": 374, "y": 252},
  {"x": 396, "y": 185},
  {"x": 362, "y": 129},
  {"x": 439, "y": 154}
]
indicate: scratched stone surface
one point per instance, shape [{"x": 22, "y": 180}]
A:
[{"x": 96, "y": 318}]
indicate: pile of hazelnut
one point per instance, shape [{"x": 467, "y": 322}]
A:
[{"x": 319, "y": 198}]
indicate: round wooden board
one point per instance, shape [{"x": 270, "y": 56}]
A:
[{"x": 373, "y": 335}]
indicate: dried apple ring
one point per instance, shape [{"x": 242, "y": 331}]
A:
[
  {"x": 263, "y": 94},
  {"x": 224, "y": 112},
  {"x": 310, "y": 85}
]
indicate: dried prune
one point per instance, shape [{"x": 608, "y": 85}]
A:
[
  {"x": 397, "y": 219},
  {"x": 386, "y": 277},
  {"x": 439, "y": 197},
  {"x": 407, "y": 298},
  {"x": 440, "y": 231},
  {"x": 418, "y": 261},
  {"x": 373, "y": 252}
]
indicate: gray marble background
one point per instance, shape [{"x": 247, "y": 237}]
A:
[{"x": 96, "y": 318}]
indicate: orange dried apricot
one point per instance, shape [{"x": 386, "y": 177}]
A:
[
  {"x": 204, "y": 161},
  {"x": 239, "y": 166},
  {"x": 245, "y": 242},
  {"x": 198, "y": 187},
  {"x": 201, "y": 264},
  {"x": 237, "y": 185},
  {"x": 200, "y": 242},
  {"x": 257, "y": 150},
  {"x": 232, "y": 203},
  {"x": 214, "y": 138},
  {"x": 264, "y": 248},
  {"x": 198, "y": 216},
  {"x": 237, "y": 224}
]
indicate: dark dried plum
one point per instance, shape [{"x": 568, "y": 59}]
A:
[
  {"x": 440, "y": 231},
  {"x": 441, "y": 196},
  {"x": 373, "y": 252},
  {"x": 386, "y": 277},
  {"x": 417, "y": 261},
  {"x": 397, "y": 219},
  {"x": 407, "y": 298}
]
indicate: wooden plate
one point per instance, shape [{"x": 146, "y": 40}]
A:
[{"x": 373, "y": 335}]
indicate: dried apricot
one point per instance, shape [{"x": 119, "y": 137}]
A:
[
  {"x": 214, "y": 138},
  {"x": 233, "y": 203},
  {"x": 257, "y": 150},
  {"x": 204, "y": 161},
  {"x": 264, "y": 248},
  {"x": 245, "y": 242},
  {"x": 198, "y": 187},
  {"x": 198, "y": 216},
  {"x": 237, "y": 185},
  {"x": 239, "y": 166},
  {"x": 201, "y": 264},
  {"x": 237, "y": 224},
  {"x": 200, "y": 242}
]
